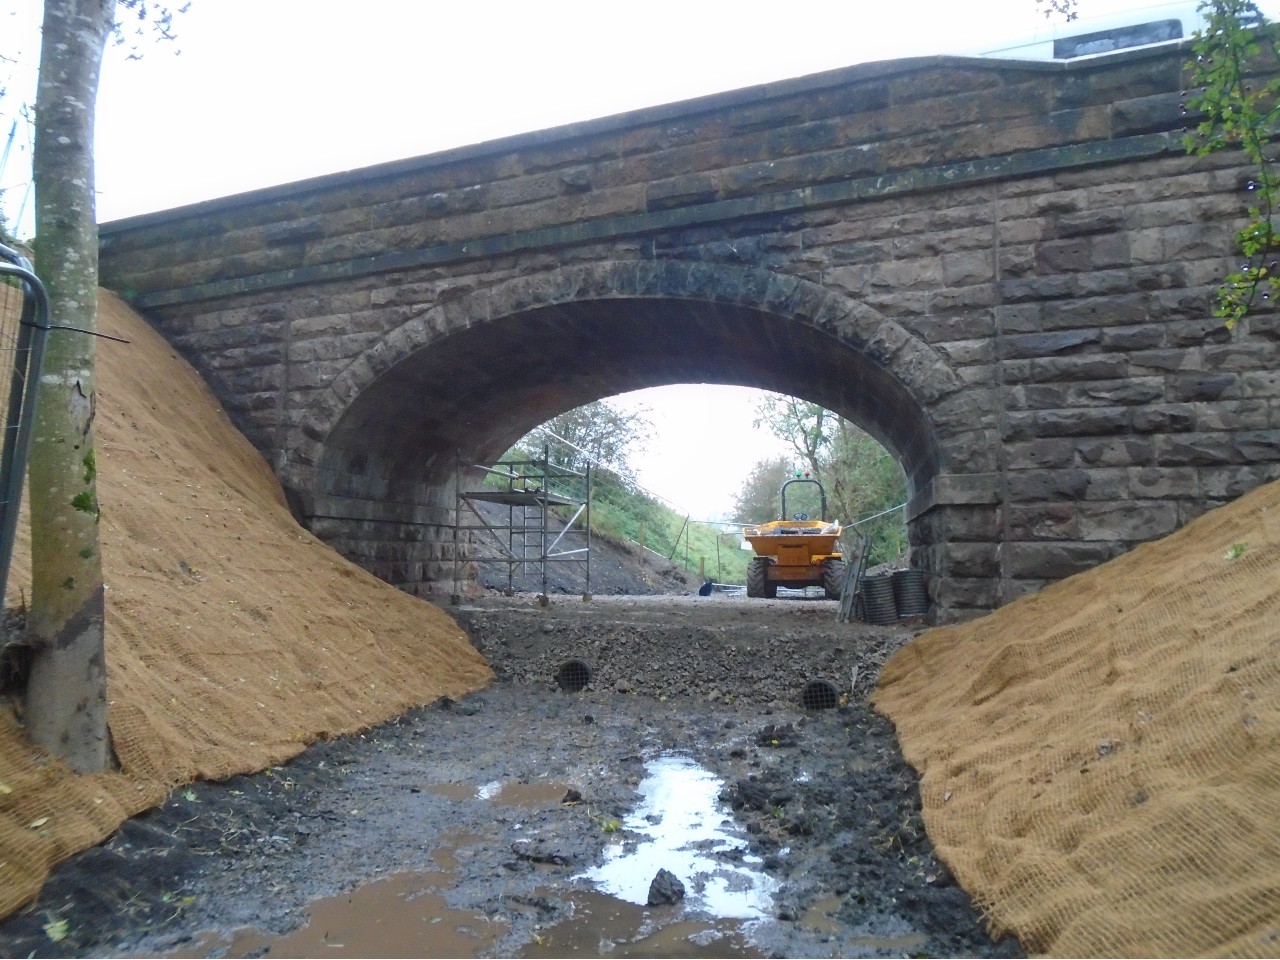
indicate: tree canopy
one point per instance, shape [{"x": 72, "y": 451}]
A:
[
  {"x": 599, "y": 433},
  {"x": 859, "y": 476}
]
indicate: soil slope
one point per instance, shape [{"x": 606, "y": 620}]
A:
[
  {"x": 235, "y": 638},
  {"x": 1100, "y": 763}
]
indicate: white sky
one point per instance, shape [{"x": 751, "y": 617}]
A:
[{"x": 264, "y": 92}]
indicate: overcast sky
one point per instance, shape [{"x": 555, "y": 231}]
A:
[{"x": 261, "y": 92}]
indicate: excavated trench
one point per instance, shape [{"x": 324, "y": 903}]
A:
[{"x": 531, "y": 821}]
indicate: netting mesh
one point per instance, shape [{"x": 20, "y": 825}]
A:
[
  {"x": 1100, "y": 763},
  {"x": 234, "y": 637}
]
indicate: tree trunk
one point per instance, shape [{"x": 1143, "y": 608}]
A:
[{"x": 66, "y": 692}]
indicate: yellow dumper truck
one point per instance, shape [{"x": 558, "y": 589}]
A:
[{"x": 795, "y": 552}]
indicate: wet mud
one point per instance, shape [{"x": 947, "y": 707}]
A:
[{"x": 529, "y": 821}]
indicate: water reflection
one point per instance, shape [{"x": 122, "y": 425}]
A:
[{"x": 688, "y": 832}]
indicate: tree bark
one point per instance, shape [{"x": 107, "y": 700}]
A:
[{"x": 66, "y": 691}]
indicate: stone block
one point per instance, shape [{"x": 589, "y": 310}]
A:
[
  {"x": 1035, "y": 288},
  {"x": 1107, "y": 483},
  {"x": 965, "y": 249},
  {"x": 1084, "y": 367},
  {"x": 1047, "y": 485},
  {"x": 1165, "y": 418},
  {"x": 1032, "y": 345},
  {"x": 1018, "y": 318},
  {"x": 954, "y": 595},
  {"x": 858, "y": 254},
  {"x": 1133, "y": 338},
  {"x": 1097, "y": 312},
  {"x": 1042, "y": 521},
  {"x": 1109, "y": 252},
  {"x": 1157, "y": 112},
  {"x": 1146, "y": 246},
  {"x": 950, "y": 489},
  {"x": 1083, "y": 222},
  {"x": 1102, "y": 283},
  {"x": 682, "y": 191},
  {"x": 974, "y": 523},
  {"x": 1131, "y": 520},
  {"x": 1133, "y": 390},
  {"x": 1240, "y": 356},
  {"x": 971, "y": 560},
  {"x": 851, "y": 279},
  {"x": 1227, "y": 483},
  {"x": 1017, "y": 261},
  {"x": 917, "y": 274},
  {"x": 1265, "y": 325},
  {"x": 1161, "y": 483},
  {"x": 1115, "y": 451},
  {"x": 1043, "y": 454},
  {"x": 1233, "y": 415},
  {"x": 964, "y": 411},
  {"x": 1014, "y": 371},
  {"x": 1095, "y": 422},
  {"x": 968, "y": 352},
  {"x": 954, "y": 299},
  {"x": 1197, "y": 450},
  {"x": 1011, "y": 590},
  {"x": 1260, "y": 384},
  {"x": 250, "y": 380},
  {"x": 1047, "y": 560},
  {"x": 1254, "y": 446},
  {"x": 968, "y": 268},
  {"x": 1191, "y": 387},
  {"x": 1197, "y": 327},
  {"x": 1035, "y": 396}
]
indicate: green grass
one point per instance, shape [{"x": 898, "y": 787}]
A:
[{"x": 702, "y": 549}]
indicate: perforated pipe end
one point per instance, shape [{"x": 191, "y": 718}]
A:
[
  {"x": 573, "y": 676},
  {"x": 819, "y": 695}
]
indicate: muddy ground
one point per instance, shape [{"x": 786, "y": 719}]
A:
[{"x": 447, "y": 832}]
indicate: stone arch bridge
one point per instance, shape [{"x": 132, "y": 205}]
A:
[{"x": 1003, "y": 271}]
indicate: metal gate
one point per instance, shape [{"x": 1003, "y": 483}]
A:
[{"x": 24, "y": 325}]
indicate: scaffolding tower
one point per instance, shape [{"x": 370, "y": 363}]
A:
[{"x": 548, "y": 511}]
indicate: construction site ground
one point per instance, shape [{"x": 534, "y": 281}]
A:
[{"x": 824, "y": 798}]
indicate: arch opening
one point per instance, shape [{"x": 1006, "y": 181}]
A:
[
  {"x": 474, "y": 393},
  {"x": 388, "y": 471}
]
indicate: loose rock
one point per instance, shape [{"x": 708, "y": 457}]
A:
[{"x": 666, "y": 888}]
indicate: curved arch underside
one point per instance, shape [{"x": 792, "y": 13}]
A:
[{"x": 475, "y": 392}]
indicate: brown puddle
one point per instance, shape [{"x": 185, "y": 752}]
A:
[
  {"x": 446, "y": 857},
  {"x": 602, "y": 925},
  {"x": 399, "y": 916},
  {"x": 821, "y": 917}
]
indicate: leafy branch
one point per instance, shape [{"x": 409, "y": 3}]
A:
[{"x": 1241, "y": 112}]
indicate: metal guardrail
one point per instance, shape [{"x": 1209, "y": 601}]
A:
[{"x": 24, "y": 327}]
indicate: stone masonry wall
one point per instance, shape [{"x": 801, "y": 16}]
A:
[{"x": 1030, "y": 236}]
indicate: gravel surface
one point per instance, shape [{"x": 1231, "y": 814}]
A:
[{"x": 495, "y": 807}]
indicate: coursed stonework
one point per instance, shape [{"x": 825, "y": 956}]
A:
[{"x": 1004, "y": 271}]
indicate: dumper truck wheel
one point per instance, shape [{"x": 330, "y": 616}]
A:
[
  {"x": 832, "y": 578},
  {"x": 758, "y": 584}
]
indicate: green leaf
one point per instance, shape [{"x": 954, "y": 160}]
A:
[{"x": 56, "y": 929}]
